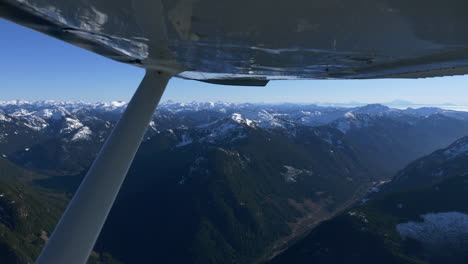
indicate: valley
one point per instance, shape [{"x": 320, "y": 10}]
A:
[{"x": 419, "y": 217}]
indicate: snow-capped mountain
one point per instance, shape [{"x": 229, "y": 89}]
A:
[
  {"x": 71, "y": 126},
  {"x": 39, "y": 114},
  {"x": 270, "y": 172}
]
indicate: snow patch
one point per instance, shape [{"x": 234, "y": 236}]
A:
[
  {"x": 83, "y": 134},
  {"x": 152, "y": 125},
  {"x": 359, "y": 215},
  {"x": 53, "y": 114},
  {"x": 71, "y": 125},
  {"x": 4, "y": 118},
  {"x": 239, "y": 119},
  {"x": 224, "y": 130},
  {"x": 21, "y": 112},
  {"x": 34, "y": 122},
  {"x": 448, "y": 228},
  {"x": 349, "y": 115},
  {"x": 292, "y": 173},
  {"x": 117, "y": 103}
]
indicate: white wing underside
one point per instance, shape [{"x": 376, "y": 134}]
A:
[{"x": 252, "y": 41}]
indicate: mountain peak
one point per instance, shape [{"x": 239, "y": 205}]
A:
[
  {"x": 376, "y": 109},
  {"x": 239, "y": 119}
]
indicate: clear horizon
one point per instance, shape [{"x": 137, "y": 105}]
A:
[
  {"x": 37, "y": 67},
  {"x": 393, "y": 105},
  {"x": 397, "y": 102}
]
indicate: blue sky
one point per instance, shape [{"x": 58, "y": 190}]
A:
[{"x": 34, "y": 66}]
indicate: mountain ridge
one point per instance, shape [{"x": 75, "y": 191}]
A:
[
  {"x": 418, "y": 217},
  {"x": 230, "y": 183}
]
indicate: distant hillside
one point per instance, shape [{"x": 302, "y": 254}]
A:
[
  {"x": 28, "y": 215},
  {"x": 420, "y": 217}
]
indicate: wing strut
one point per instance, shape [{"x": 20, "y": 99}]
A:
[{"x": 75, "y": 235}]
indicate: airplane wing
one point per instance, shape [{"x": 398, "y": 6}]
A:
[{"x": 248, "y": 42}]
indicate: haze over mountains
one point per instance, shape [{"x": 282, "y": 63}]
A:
[{"x": 213, "y": 182}]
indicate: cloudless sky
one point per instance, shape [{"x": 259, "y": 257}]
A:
[{"x": 34, "y": 66}]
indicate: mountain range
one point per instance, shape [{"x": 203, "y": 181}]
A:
[{"x": 218, "y": 182}]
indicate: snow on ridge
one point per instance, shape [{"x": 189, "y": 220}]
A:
[
  {"x": 195, "y": 105},
  {"x": 36, "y": 123},
  {"x": 4, "y": 118},
  {"x": 110, "y": 106},
  {"x": 27, "y": 118},
  {"x": 269, "y": 120},
  {"x": 117, "y": 103},
  {"x": 21, "y": 112},
  {"x": 310, "y": 114},
  {"x": 349, "y": 115},
  {"x": 46, "y": 113},
  {"x": 14, "y": 102},
  {"x": 83, "y": 134},
  {"x": 64, "y": 105},
  {"x": 55, "y": 113},
  {"x": 222, "y": 129},
  {"x": 71, "y": 125},
  {"x": 239, "y": 119},
  {"x": 266, "y": 116}
]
